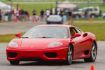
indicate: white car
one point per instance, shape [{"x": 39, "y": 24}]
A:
[{"x": 54, "y": 19}]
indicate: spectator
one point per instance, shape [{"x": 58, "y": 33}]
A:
[
  {"x": 64, "y": 18},
  {"x": 86, "y": 14},
  {"x": 51, "y": 12},
  {"x": 42, "y": 14},
  {"x": 34, "y": 19},
  {"x": 27, "y": 15},
  {"x": 34, "y": 12},
  {"x": 0, "y": 15},
  {"x": 17, "y": 14},
  {"x": 70, "y": 18},
  {"x": 47, "y": 13}
]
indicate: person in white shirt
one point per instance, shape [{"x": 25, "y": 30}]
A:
[{"x": 47, "y": 13}]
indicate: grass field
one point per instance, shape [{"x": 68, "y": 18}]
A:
[
  {"x": 6, "y": 38},
  {"x": 97, "y": 28}
]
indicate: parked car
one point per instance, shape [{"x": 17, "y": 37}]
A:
[
  {"x": 52, "y": 43},
  {"x": 79, "y": 13},
  {"x": 93, "y": 11},
  {"x": 90, "y": 11}
]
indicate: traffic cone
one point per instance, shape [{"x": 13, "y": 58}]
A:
[{"x": 92, "y": 67}]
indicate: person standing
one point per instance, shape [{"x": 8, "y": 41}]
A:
[
  {"x": 70, "y": 18},
  {"x": 42, "y": 14},
  {"x": 0, "y": 15},
  {"x": 34, "y": 16},
  {"x": 47, "y": 13}
]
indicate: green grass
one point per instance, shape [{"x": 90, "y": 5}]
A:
[
  {"x": 97, "y": 28},
  {"x": 6, "y": 38}
]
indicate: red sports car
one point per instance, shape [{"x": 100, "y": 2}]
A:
[{"x": 53, "y": 43}]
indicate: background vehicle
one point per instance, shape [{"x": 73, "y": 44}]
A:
[
  {"x": 54, "y": 19},
  {"x": 79, "y": 13},
  {"x": 89, "y": 11},
  {"x": 93, "y": 11},
  {"x": 53, "y": 43}
]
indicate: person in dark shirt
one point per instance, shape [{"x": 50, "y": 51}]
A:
[
  {"x": 70, "y": 17},
  {"x": 0, "y": 15},
  {"x": 34, "y": 12},
  {"x": 42, "y": 14}
]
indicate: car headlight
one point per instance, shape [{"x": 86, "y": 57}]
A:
[
  {"x": 55, "y": 44},
  {"x": 13, "y": 44}
]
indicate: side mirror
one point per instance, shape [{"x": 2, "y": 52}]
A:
[
  {"x": 76, "y": 35},
  {"x": 85, "y": 34},
  {"x": 18, "y": 35}
]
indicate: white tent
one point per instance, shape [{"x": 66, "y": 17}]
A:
[
  {"x": 66, "y": 5},
  {"x": 5, "y": 7}
]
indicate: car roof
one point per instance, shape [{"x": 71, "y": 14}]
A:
[{"x": 58, "y": 25}]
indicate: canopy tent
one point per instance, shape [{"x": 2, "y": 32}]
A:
[
  {"x": 67, "y": 5},
  {"x": 5, "y": 7}
]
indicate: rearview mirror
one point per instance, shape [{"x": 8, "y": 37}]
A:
[
  {"x": 18, "y": 35},
  {"x": 85, "y": 34},
  {"x": 76, "y": 35}
]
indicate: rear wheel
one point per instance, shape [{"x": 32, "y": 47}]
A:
[
  {"x": 14, "y": 62},
  {"x": 69, "y": 56},
  {"x": 93, "y": 54}
]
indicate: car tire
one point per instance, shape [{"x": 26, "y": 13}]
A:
[
  {"x": 93, "y": 54},
  {"x": 69, "y": 56},
  {"x": 14, "y": 62}
]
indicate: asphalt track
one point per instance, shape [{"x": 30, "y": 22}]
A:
[
  {"x": 77, "y": 65},
  {"x": 15, "y": 27}
]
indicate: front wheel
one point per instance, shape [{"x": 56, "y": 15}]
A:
[
  {"x": 93, "y": 54},
  {"x": 14, "y": 62},
  {"x": 69, "y": 56}
]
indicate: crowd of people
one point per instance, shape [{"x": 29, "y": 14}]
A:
[{"x": 23, "y": 15}]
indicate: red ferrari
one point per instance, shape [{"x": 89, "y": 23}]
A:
[{"x": 53, "y": 43}]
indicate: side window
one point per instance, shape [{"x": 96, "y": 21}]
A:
[
  {"x": 73, "y": 31},
  {"x": 78, "y": 30}
]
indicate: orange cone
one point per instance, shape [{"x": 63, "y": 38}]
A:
[{"x": 92, "y": 67}]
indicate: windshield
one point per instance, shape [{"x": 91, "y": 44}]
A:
[{"x": 47, "y": 32}]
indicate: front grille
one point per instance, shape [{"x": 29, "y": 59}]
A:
[{"x": 30, "y": 59}]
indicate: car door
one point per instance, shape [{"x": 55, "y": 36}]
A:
[{"x": 79, "y": 43}]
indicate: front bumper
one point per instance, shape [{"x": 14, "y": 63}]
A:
[{"x": 33, "y": 55}]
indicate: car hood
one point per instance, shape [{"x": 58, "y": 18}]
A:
[{"x": 40, "y": 43}]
